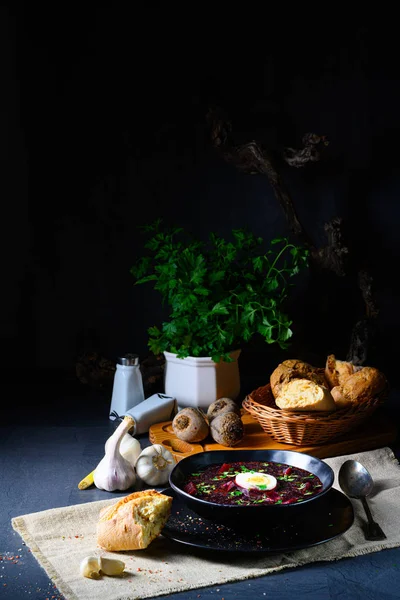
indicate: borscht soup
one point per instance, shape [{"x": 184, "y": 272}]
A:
[{"x": 252, "y": 482}]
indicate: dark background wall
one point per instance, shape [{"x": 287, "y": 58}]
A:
[{"x": 103, "y": 121}]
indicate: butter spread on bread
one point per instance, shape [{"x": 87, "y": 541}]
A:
[
  {"x": 304, "y": 395},
  {"x": 134, "y": 521}
]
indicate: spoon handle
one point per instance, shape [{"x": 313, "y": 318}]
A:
[{"x": 374, "y": 532}]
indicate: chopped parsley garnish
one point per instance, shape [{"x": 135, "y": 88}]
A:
[
  {"x": 205, "y": 488},
  {"x": 244, "y": 469}
]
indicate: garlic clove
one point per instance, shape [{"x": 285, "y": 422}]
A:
[
  {"x": 90, "y": 567},
  {"x": 93, "y": 566},
  {"x": 111, "y": 566}
]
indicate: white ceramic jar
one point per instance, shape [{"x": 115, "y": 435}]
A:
[{"x": 197, "y": 382}]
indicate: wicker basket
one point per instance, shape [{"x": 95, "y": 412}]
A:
[{"x": 306, "y": 428}]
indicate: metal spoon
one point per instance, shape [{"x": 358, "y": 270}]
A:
[{"x": 356, "y": 482}]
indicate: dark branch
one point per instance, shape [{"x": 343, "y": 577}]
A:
[
  {"x": 310, "y": 153},
  {"x": 359, "y": 342},
  {"x": 332, "y": 256},
  {"x": 251, "y": 158},
  {"x": 365, "y": 283}
]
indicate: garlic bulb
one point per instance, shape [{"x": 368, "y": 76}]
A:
[
  {"x": 93, "y": 566},
  {"x": 114, "y": 472},
  {"x": 130, "y": 448},
  {"x": 90, "y": 567},
  {"x": 154, "y": 465}
]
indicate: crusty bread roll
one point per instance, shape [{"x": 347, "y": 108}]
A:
[
  {"x": 338, "y": 371},
  {"x": 134, "y": 521},
  {"x": 304, "y": 395},
  {"x": 360, "y": 387},
  {"x": 340, "y": 400},
  {"x": 294, "y": 369}
]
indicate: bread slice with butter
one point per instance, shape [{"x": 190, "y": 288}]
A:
[
  {"x": 134, "y": 521},
  {"x": 304, "y": 395}
]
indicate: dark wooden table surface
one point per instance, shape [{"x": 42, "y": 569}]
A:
[{"x": 52, "y": 432}]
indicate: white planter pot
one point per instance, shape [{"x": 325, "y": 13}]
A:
[{"x": 198, "y": 382}]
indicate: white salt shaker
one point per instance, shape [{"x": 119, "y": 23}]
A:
[{"x": 128, "y": 385}]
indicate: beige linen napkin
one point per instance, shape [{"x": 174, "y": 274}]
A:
[{"x": 60, "y": 538}]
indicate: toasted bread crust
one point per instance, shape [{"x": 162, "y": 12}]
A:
[
  {"x": 294, "y": 369},
  {"x": 134, "y": 521},
  {"x": 108, "y": 512},
  {"x": 360, "y": 387},
  {"x": 337, "y": 371}
]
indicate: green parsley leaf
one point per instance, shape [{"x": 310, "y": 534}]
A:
[{"x": 219, "y": 292}]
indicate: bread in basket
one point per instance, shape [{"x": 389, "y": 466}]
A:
[{"x": 361, "y": 391}]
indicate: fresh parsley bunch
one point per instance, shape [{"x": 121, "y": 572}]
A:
[{"x": 220, "y": 292}]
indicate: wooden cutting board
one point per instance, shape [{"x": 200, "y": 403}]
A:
[{"x": 377, "y": 432}]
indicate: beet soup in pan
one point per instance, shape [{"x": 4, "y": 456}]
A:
[
  {"x": 253, "y": 482},
  {"x": 247, "y": 485}
]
